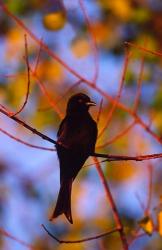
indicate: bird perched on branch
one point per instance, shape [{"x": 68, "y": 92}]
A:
[{"x": 77, "y": 136}]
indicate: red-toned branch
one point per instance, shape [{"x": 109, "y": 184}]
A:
[
  {"x": 37, "y": 58},
  {"x": 139, "y": 84},
  {"x": 99, "y": 112},
  {"x": 25, "y": 143},
  {"x": 25, "y": 125},
  {"x": 144, "y": 207},
  {"x": 74, "y": 85},
  {"x": 114, "y": 105},
  {"x": 141, "y": 203},
  {"x": 38, "y": 41},
  {"x": 72, "y": 71},
  {"x": 28, "y": 78},
  {"x": 106, "y": 156},
  {"x": 128, "y": 158},
  {"x": 6, "y": 234},
  {"x": 51, "y": 101},
  {"x": 118, "y": 136},
  {"x": 80, "y": 240},
  {"x": 112, "y": 204},
  {"x": 155, "y": 53},
  {"x": 137, "y": 236},
  {"x": 3, "y": 107}
]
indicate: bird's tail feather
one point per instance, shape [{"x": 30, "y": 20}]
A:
[{"x": 63, "y": 205}]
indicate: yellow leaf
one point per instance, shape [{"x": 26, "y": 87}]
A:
[
  {"x": 15, "y": 43},
  {"x": 80, "y": 47},
  {"x": 160, "y": 223},
  {"x": 51, "y": 71},
  {"x": 101, "y": 31},
  {"x": 54, "y": 20},
  {"x": 127, "y": 171},
  {"x": 146, "y": 224},
  {"x": 121, "y": 8}
]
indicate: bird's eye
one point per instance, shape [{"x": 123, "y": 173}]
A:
[{"x": 80, "y": 100}]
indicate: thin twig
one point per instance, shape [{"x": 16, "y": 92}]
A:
[
  {"x": 51, "y": 101},
  {"x": 25, "y": 143},
  {"x": 118, "y": 136},
  {"x": 72, "y": 71},
  {"x": 74, "y": 85},
  {"x": 99, "y": 111},
  {"x": 141, "y": 203},
  {"x": 38, "y": 57},
  {"x": 114, "y": 105},
  {"x": 112, "y": 204},
  {"x": 58, "y": 59},
  {"x": 136, "y": 237},
  {"x": 155, "y": 53},
  {"x": 3, "y": 107},
  {"x": 25, "y": 125},
  {"x": 127, "y": 158},
  {"x": 106, "y": 156},
  {"x": 80, "y": 240},
  {"x": 139, "y": 84},
  {"x": 28, "y": 78},
  {"x": 23, "y": 243}
]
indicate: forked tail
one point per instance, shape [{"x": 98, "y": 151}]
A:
[{"x": 63, "y": 205}]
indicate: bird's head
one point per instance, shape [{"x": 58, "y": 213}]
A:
[{"x": 79, "y": 103}]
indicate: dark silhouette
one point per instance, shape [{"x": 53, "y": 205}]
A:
[{"x": 77, "y": 136}]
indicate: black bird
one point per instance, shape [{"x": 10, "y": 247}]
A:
[{"x": 77, "y": 136}]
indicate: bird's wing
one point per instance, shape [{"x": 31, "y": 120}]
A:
[
  {"x": 78, "y": 134},
  {"x": 92, "y": 136},
  {"x": 60, "y": 128}
]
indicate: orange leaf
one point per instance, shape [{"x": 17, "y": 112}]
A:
[
  {"x": 54, "y": 20},
  {"x": 160, "y": 223},
  {"x": 146, "y": 224}
]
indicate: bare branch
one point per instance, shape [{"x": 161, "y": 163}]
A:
[
  {"x": 74, "y": 85},
  {"x": 80, "y": 240},
  {"x": 28, "y": 78},
  {"x": 25, "y": 143},
  {"x": 114, "y": 105},
  {"x": 38, "y": 57},
  {"x": 155, "y": 53},
  {"x": 118, "y": 136},
  {"x": 51, "y": 101},
  {"x": 139, "y": 84},
  {"x": 127, "y": 158},
  {"x": 106, "y": 156},
  {"x": 112, "y": 204},
  {"x": 6, "y": 234},
  {"x": 25, "y": 125},
  {"x": 72, "y": 71},
  {"x": 99, "y": 111}
]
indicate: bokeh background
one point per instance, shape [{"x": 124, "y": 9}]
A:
[{"x": 29, "y": 178}]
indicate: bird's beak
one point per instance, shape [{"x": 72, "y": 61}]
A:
[{"x": 90, "y": 103}]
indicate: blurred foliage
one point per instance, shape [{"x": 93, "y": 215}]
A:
[
  {"x": 147, "y": 225},
  {"x": 62, "y": 26},
  {"x": 54, "y": 21},
  {"x": 80, "y": 47}
]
